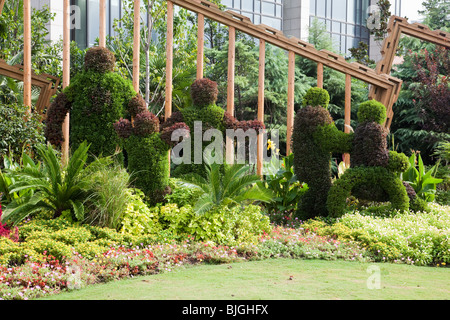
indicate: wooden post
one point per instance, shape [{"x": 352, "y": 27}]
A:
[
  {"x": 261, "y": 88},
  {"x": 231, "y": 67},
  {"x": 169, "y": 60},
  {"x": 102, "y": 31},
  {"x": 66, "y": 79},
  {"x": 27, "y": 54},
  {"x": 320, "y": 75},
  {"x": 348, "y": 109},
  {"x": 2, "y": 3},
  {"x": 230, "y": 90},
  {"x": 137, "y": 43},
  {"x": 200, "y": 45},
  {"x": 290, "y": 102}
]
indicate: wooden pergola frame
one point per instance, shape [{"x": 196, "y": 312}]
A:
[
  {"x": 397, "y": 27},
  {"x": 383, "y": 87},
  {"x": 386, "y": 87}
]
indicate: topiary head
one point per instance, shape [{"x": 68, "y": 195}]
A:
[
  {"x": 145, "y": 124},
  {"x": 372, "y": 111},
  {"x": 204, "y": 92},
  {"x": 316, "y": 97},
  {"x": 99, "y": 59},
  {"x": 136, "y": 105}
]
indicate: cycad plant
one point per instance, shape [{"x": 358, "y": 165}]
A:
[
  {"x": 226, "y": 185},
  {"x": 56, "y": 188}
]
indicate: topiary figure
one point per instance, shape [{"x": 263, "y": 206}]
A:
[
  {"x": 97, "y": 97},
  {"x": 314, "y": 138},
  {"x": 373, "y": 174},
  {"x": 147, "y": 150},
  {"x": 204, "y": 94}
]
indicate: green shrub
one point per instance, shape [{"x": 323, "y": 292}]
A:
[
  {"x": 182, "y": 194},
  {"x": 420, "y": 238},
  {"x": 138, "y": 219},
  {"x": 221, "y": 225},
  {"x": 315, "y": 97},
  {"x": 372, "y": 111},
  {"x": 19, "y": 132},
  {"x": 148, "y": 161}
]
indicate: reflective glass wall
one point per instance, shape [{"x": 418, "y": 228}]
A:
[
  {"x": 345, "y": 20},
  {"x": 88, "y": 32},
  {"x": 268, "y": 12}
]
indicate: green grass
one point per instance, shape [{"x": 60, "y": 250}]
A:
[{"x": 277, "y": 279}]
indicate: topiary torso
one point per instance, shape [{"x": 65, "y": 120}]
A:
[{"x": 96, "y": 98}]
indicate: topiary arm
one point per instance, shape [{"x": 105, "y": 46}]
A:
[
  {"x": 398, "y": 162},
  {"x": 181, "y": 131},
  {"x": 56, "y": 114},
  {"x": 331, "y": 139}
]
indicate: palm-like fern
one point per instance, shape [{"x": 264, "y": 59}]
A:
[
  {"x": 56, "y": 188},
  {"x": 231, "y": 186}
]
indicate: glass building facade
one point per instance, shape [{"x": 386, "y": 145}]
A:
[
  {"x": 268, "y": 12},
  {"x": 88, "y": 32},
  {"x": 345, "y": 20}
]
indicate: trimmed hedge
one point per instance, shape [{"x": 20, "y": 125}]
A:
[{"x": 316, "y": 97}]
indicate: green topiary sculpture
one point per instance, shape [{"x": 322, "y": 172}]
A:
[
  {"x": 204, "y": 109},
  {"x": 373, "y": 173},
  {"x": 147, "y": 149},
  {"x": 314, "y": 139},
  {"x": 96, "y": 98}
]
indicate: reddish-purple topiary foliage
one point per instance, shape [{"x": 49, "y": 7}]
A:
[
  {"x": 56, "y": 114},
  {"x": 256, "y": 125},
  {"x": 204, "y": 92},
  {"x": 229, "y": 121},
  {"x": 176, "y": 117},
  {"x": 370, "y": 146},
  {"x": 145, "y": 124},
  {"x": 136, "y": 105},
  {"x": 7, "y": 232},
  {"x": 166, "y": 134},
  {"x": 123, "y": 128},
  {"x": 99, "y": 59}
]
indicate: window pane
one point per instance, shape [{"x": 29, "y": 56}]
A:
[
  {"x": 115, "y": 12},
  {"x": 279, "y": 11},
  {"x": 339, "y": 9},
  {"x": 321, "y": 5},
  {"x": 268, "y": 8},
  {"x": 312, "y": 7},
  {"x": 247, "y": 5},
  {"x": 336, "y": 27},
  {"x": 351, "y": 11},
  {"x": 80, "y": 34},
  {"x": 93, "y": 21},
  {"x": 227, "y": 3},
  {"x": 257, "y": 6}
]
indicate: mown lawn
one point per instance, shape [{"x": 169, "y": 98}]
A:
[{"x": 278, "y": 279}]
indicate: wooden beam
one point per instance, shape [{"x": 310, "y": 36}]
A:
[
  {"x": 261, "y": 88},
  {"x": 137, "y": 44},
  {"x": 348, "y": 110},
  {"x": 102, "y": 31},
  {"x": 320, "y": 75},
  {"x": 200, "y": 45},
  {"x": 27, "y": 54},
  {"x": 231, "y": 69},
  {"x": 66, "y": 79},
  {"x": 290, "y": 102},
  {"x": 169, "y": 60}
]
